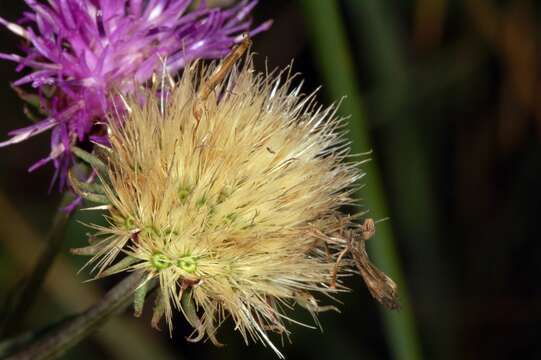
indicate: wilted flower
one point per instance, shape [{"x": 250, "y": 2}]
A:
[
  {"x": 82, "y": 51},
  {"x": 232, "y": 202}
]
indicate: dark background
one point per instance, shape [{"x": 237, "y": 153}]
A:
[{"x": 450, "y": 94}]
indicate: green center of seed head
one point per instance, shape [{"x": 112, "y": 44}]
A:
[
  {"x": 183, "y": 192},
  {"x": 187, "y": 264},
  {"x": 160, "y": 261}
]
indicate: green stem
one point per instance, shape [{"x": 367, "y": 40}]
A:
[
  {"x": 25, "y": 294},
  {"x": 400, "y": 108},
  {"x": 64, "y": 289},
  {"x": 57, "y": 340},
  {"x": 330, "y": 44}
]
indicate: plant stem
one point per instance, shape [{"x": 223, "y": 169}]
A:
[
  {"x": 60, "y": 338},
  {"x": 65, "y": 290},
  {"x": 25, "y": 294},
  {"x": 334, "y": 56},
  {"x": 406, "y": 145}
]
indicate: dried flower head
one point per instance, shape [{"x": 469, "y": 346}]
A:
[
  {"x": 80, "y": 51},
  {"x": 231, "y": 198}
]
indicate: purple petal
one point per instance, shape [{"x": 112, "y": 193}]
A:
[
  {"x": 14, "y": 28},
  {"x": 91, "y": 50},
  {"x": 27, "y": 132}
]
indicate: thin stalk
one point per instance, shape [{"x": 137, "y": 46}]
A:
[
  {"x": 406, "y": 146},
  {"x": 25, "y": 294},
  {"x": 65, "y": 290},
  {"x": 334, "y": 56},
  {"x": 57, "y": 340}
]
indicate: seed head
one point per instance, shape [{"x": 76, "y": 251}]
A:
[{"x": 231, "y": 200}]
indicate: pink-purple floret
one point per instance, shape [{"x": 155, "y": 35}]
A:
[{"x": 88, "y": 50}]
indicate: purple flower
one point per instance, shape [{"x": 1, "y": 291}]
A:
[{"x": 81, "y": 52}]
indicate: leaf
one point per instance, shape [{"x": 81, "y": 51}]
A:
[
  {"x": 84, "y": 190},
  {"x": 32, "y": 99},
  {"x": 92, "y": 160},
  {"x": 119, "y": 266},
  {"x": 139, "y": 299}
]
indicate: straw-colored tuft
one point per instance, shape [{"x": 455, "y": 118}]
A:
[{"x": 232, "y": 201}]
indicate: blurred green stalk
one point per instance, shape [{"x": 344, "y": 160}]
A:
[
  {"x": 65, "y": 289},
  {"x": 56, "y": 340},
  {"x": 26, "y": 293},
  {"x": 333, "y": 53},
  {"x": 399, "y": 107}
]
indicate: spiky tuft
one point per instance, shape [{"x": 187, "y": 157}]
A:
[{"x": 235, "y": 206}]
